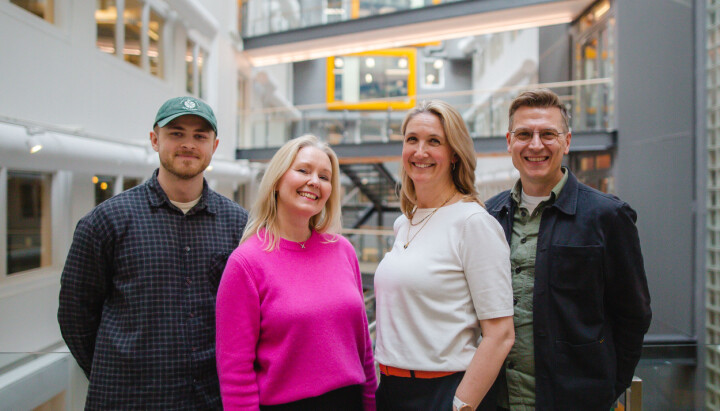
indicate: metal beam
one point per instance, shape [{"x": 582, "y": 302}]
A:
[
  {"x": 366, "y": 214},
  {"x": 378, "y": 152},
  {"x": 377, "y": 202}
]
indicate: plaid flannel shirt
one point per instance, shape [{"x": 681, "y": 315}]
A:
[{"x": 137, "y": 298}]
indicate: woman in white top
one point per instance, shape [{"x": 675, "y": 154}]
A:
[{"x": 443, "y": 293}]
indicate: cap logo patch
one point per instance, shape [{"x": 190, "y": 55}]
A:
[{"x": 189, "y": 104}]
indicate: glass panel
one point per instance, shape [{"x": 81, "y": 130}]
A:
[
  {"x": 104, "y": 188},
  {"x": 189, "y": 66},
  {"x": 132, "y": 16},
  {"x": 28, "y": 221},
  {"x": 40, "y": 8},
  {"x": 105, "y": 19},
  {"x": 155, "y": 44}
]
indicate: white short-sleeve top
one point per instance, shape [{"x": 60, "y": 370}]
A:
[{"x": 430, "y": 295}]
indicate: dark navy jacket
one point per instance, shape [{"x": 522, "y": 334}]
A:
[{"x": 591, "y": 305}]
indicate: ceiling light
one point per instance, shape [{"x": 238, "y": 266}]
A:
[
  {"x": 368, "y": 78},
  {"x": 438, "y": 64},
  {"x": 402, "y": 63},
  {"x": 34, "y": 145},
  {"x": 95, "y": 179},
  {"x": 370, "y": 62},
  {"x": 601, "y": 10},
  {"x": 339, "y": 62}
]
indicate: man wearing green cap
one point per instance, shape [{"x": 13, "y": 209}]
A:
[{"x": 137, "y": 297}]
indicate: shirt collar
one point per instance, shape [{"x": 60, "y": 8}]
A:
[
  {"x": 516, "y": 192},
  {"x": 158, "y": 198}
]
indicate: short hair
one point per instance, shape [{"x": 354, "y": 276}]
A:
[
  {"x": 264, "y": 212},
  {"x": 458, "y": 137},
  {"x": 541, "y": 97}
]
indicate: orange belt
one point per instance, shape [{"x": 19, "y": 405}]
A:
[{"x": 399, "y": 372}]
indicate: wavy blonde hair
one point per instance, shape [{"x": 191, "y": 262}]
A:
[
  {"x": 458, "y": 137},
  {"x": 264, "y": 212}
]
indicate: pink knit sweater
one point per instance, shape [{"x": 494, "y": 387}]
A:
[{"x": 291, "y": 324}]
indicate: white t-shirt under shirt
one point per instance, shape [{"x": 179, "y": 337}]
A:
[
  {"x": 430, "y": 296},
  {"x": 531, "y": 202},
  {"x": 185, "y": 207}
]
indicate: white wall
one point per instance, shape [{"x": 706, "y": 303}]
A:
[
  {"x": 518, "y": 60},
  {"x": 94, "y": 104}
]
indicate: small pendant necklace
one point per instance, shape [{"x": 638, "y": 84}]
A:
[
  {"x": 426, "y": 220},
  {"x": 302, "y": 243}
]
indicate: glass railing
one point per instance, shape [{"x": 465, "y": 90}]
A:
[
  {"x": 262, "y": 17},
  {"x": 485, "y": 111}
]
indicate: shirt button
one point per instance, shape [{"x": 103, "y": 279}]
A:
[
  {"x": 188, "y": 280},
  {"x": 523, "y": 240},
  {"x": 511, "y": 365},
  {"x": 192, "y": 315},
  {"x": 518, "y": 270},
  {"x": 515, "y": 301},
  {"x": 523, "y": 213},
  {"x": 187, "y": 249}
]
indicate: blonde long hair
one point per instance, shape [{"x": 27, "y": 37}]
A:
[
  {"x": 264, "y": 212},
  {"x": 458, "y": 137}
]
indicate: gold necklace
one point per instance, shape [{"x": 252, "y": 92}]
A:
[
  {"x": 420, "y": 222},
  {"x": 426, "y": 219}
]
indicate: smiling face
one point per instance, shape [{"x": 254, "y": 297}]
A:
[
  {"x": 426, "y": 155},
  {"x": 538, "y": 161},
  {"x": 185, "y": 146},
  {"x": 306, "y": 186}
]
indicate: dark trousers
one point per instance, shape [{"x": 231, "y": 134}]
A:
[
  {"x": 421, "y": 394},
  {"x": 346, "y": 398}
]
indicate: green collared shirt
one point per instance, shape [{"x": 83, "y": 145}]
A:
[{"x": 517, "y": 388}]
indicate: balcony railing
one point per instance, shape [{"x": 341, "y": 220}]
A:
[
  {"x": 589, "y": 102},
  {"x": 262, "y": 17}
]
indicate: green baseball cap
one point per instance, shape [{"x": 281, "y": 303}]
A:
[{"x": 183, "y": 106}]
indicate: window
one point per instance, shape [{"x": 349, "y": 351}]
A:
[
  {"x": 376, "y": 80},
  {"x": 132, "y": 17},
  {"x": 594, "y": 169},
  {"x": 155, "y": 54},
  {"x": 105, "y": 20},
  {"x": 28, "y": 221},
  {"x": 133, "y": 30},
  {"x": 104, "y": 188},
  {"x": 194, "y": 61},
  {"x": 433, "y": 73},
  {"x": 190, "y": 67},
  {"x": 129, "y": 182},
  {"x": 594, "y": 58},
  {"x": 41, "y": 8}
]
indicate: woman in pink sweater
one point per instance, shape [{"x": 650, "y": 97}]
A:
[{"x": 292, "y": 332}]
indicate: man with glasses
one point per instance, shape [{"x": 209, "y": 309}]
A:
[{"x": 581, "y": 297}]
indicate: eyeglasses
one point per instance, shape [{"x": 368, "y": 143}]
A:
[{"x": 547, "y": 136}]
